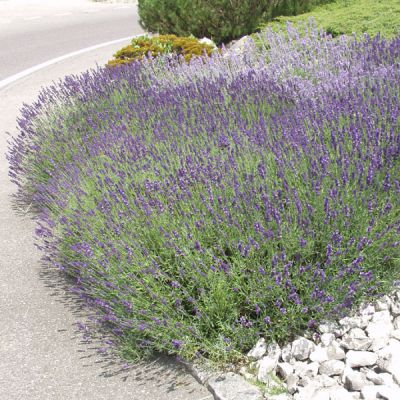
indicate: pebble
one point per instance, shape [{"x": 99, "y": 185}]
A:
[{"x": 357, "y": 357}]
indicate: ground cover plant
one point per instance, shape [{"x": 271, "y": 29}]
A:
[
  {"x": 351, "y": 16},
  {"x": 199, "y": 206}
]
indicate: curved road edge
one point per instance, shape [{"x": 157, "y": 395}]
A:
[{"x": 31, "y": 70}]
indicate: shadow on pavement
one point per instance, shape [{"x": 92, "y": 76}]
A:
[{"x": 161, "y": 370}]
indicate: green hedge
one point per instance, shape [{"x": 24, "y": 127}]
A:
[{"x": 220, "y": 20}]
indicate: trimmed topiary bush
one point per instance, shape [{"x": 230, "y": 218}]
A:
[
  {"x": 222, "y": 20},
  {"x": 141, "y": 47}
]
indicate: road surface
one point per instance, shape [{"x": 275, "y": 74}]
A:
[
  {"x": 34, "y": 31},
  {"x": 42, "y": 353}
]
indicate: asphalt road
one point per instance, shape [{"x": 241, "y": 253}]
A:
[
  {"x": 42, "y": 354},
  {"x": 33, "y": 32}
]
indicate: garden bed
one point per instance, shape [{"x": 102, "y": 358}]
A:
[{"x": 200, "y": 206}]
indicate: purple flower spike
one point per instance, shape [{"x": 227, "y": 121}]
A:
[{"x": 177, "y": 343}]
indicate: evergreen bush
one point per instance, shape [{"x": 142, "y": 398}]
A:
[{"x": 221, "y": 20}]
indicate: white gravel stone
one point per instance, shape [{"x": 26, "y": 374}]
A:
[
  {"x": 328, "y": 327},
  {"x": 284, "y": 370},
  {"x": 291, "y": 383},
  {"x": 369, "y": 392},
  {"x": 274, "y": 350},
  {"x": 382, "y": 317},
  {"x": 344, "y": 362},
  {"x": 331, "y": 367},
  {"x": 305, "y": 380},
  {"x": 326, "y": 381},
  {"x": 240, "y": 47},
  {"x": 356, "y": 339},
  {"x": 335, "y": 352},
  {"x": 357, "y": 333},
  {"x": 355, "y": 322},
  {"x": 321, "y": 394},
  {"x": 375, "y": 378},
  {"x": 367, "y": 310},
  {"x": 395, "y": 308},
  {"x": 312, "y": 392},
  {"x": 327, "y": 339},
  {"x": 388, "y": 392},
  {"x": 258, "y": 350},
  {"x": 286, "y": 354},
  {"x": 301, "y": 348},
  {"x": 395, "y": 334},
  {"x": 387, "y": 378},
  {"x": 379, "y": 329},
  {"x": 356, "y": 344},
  {"x": 389, "y": 359},
  {"x": 348, "y": 322},
  {"x": 340, "y": 393},
  {"x": 319, "y": 354},
  {"x": 383, "y": 303},
  {"x": 246, "y": 374},
  {"x": 281, "y": 396},
  {"x": 354, "y": 380},
  {"x": 265, "y": 367},
  {"x": 230, "y": 386},
  {"x": 268, "y": 363},
  {"x": 306, "y": 369},
  {"x": 355, "y": 359},
  {"x": 342, "y": 330},
  {"x": 379, "y": 343},
  {"x": 208, "y": 41}
]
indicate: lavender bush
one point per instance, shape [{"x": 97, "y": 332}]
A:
[{"x": 200, "y": 206}]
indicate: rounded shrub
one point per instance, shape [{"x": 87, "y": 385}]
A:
[
  {"x": 198, "y": 212},
  {"x": 188, "y": 47},
  {"x": 222, "y": 20}
]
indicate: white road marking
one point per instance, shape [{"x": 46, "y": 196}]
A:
[
  {"x": 32, "y": 18},
  {"x": 5, "y": 21},
  {"x": 121, "y": 7},
  {"x": 46, "y": 64}
]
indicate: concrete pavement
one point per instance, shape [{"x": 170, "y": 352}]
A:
[{"x": 42, "y": 354}]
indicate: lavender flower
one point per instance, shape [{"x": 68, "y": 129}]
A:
[{"x": 186, "y": 199}]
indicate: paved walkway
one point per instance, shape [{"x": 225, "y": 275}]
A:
[{"x": 42, "y": 354}]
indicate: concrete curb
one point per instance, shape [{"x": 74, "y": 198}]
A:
[{"x": 224, "y": 385}]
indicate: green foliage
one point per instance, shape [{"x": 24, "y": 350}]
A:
[
  {"x": 222, "y": 20},
  {"x": 350, "y": 16},
  {"x": 140, "y": 47},
  {"x": 295, "y": 7}
]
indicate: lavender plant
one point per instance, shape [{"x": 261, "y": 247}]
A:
[{"x": 200, "y": 206}]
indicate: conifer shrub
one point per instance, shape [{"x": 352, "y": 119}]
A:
[
  {"x": 222, "y": 20},
  {"x": 188, "y": 47}
]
